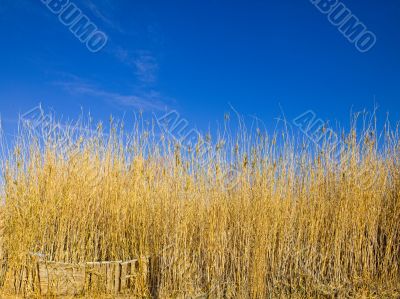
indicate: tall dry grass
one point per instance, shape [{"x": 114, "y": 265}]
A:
[{"x": 294, "y": 220}]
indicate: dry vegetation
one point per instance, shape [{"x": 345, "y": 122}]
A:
[{"x": 293, "y": 220}]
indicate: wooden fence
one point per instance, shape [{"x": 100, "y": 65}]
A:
[{"x": 66, "y": 279}]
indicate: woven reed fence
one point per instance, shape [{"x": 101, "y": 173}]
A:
[{"x": 67, "y": 279}]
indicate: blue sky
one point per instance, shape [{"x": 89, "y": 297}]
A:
[{"x": 263, "y": 58}]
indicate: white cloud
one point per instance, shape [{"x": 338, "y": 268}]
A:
[
  {"x": 145, "y": 64},
  {"x": 146, "y": 68},
  {"x": 147, "y": 100},
  {"x": 99, "y": 13}
]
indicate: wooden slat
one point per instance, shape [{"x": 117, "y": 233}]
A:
[
  {"x": 117, "y": 278},
  {"x": 110, "y": 269},
  {"x": 124, "y": 267}
]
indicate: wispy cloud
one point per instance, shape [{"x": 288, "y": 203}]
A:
[
  {"x": 146, "y": 68},
  {"x": 149, "y": 100},
  {"x": 99, "y": 13},
  {"x": 145, "y": 64}
]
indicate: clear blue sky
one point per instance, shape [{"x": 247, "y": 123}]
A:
[{"x": 261, "y": 56}]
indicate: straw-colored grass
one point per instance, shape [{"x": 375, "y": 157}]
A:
[{"x": 293, "y": 220}]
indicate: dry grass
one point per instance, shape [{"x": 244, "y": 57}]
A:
[{"x": 296, "y": 223}]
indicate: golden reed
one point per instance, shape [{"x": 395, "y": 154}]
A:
[{"x": 293, "y": 220}]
